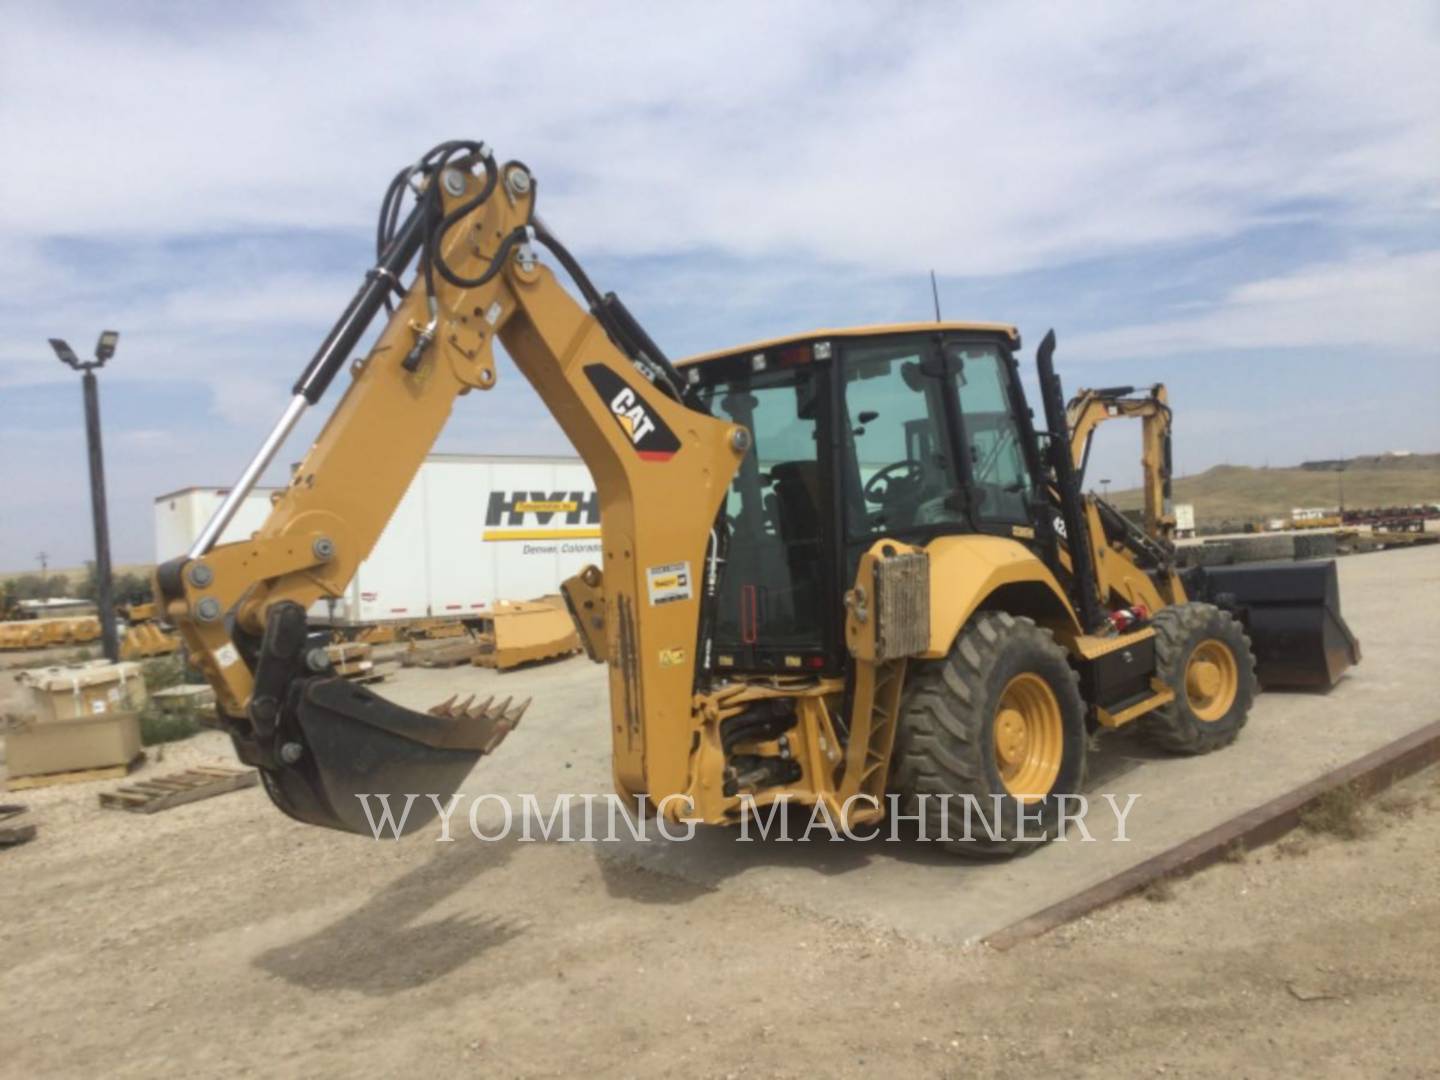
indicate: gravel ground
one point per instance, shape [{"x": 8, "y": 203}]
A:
[{"x": 219, "y": 938}]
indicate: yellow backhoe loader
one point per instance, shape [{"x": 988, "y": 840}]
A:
[{"x": 837, "y": 566}]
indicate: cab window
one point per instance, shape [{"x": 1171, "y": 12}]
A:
[
  {"x": 899, "y": 474},
  {"x": 772, "y": 585},
  {"x": 1001, "y": 479}
]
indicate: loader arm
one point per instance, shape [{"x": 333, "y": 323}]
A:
[
  {"x": 1290, "y": 613},
  {"x": 1088, "y": 409},
  {"x": 661, "y": 468},
  {"x": 1133, "y": 565}
]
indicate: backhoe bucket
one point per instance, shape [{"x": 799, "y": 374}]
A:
[
  {"x": 357, "y": 752},
  {"x": 1292, "y": 614}
]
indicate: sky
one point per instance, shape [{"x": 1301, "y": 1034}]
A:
[{"x": 1239, "y": 200}]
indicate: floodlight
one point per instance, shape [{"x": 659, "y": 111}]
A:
[
  {"x": 65, "y": 353},
  {"x": 105, "y": 347}
]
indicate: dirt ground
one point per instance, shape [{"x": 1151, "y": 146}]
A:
[{"x": 221, "y": 939}]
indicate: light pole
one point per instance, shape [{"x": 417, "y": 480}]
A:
[
  {"x": 1105, "y": 489},
  {"x": 104, "y": 599}
]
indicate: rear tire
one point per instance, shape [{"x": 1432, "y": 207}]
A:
[
  {"x": 1003, "y": 672},
  {"x": 1202, "y": 654}
]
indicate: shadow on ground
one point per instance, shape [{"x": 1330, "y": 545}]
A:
[
  {"x": 659, "y": 871},
  {"x": 383, "y": 946}
]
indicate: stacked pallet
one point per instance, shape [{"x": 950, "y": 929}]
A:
[
  {"x": 446, "y": 652},
  {"x": 354, "y": 660}
]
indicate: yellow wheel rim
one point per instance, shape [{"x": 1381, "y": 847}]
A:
[
  {"x": 1029, "y": 737},
  {"x": 1211, "y": 680}
]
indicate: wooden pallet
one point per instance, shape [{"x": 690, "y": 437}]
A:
[
  {"x": 446, "y": 652},
  {"x": 184, "y": 698},
  {"x": 176, "y": 789},
  {"x": 78, "y": 776}
]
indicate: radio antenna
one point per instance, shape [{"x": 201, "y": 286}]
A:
[{"x": 935, "y": 292}]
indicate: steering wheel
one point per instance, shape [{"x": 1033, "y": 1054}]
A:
[{"x": 877, "y": 488}]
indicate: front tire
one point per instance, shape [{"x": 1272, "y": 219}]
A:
[
  {"x": 997, "y": 725},
  {"x": 1202, "y": 654}
]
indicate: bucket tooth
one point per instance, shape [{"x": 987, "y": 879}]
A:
[
  {"x": 479, "y": 711},
  {"x": 503, "y": 720},
  {"x": 452, "y": 707},
  {"x": 502, "y": 728}
]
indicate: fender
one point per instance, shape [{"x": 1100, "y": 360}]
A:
[{"x": 966, "y": 571}]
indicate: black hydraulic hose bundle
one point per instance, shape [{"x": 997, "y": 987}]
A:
[
  {"x": 371, "y": 296},
  {"x": 622, "y": 327}
]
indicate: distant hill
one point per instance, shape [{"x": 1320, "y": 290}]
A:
[
  {"x": 1241, "y": 493},
  {"x": 1381, "y": 462}
]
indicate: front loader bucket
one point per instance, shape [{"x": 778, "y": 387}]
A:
[
  {"x": 1292, "y": 614},
  {"x": 356, "y": 749}
]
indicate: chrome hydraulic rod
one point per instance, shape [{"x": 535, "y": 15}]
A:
[
  {"x": 333, "y": 351},
  {"x": 225, "y": 513}
]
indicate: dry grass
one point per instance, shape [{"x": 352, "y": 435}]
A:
[
  {"x": 1339, "y": 812},
  {"x": 1240, "y": 493},
  {"x": 1159, "y": 891},
  {"x": 1293, "y": 846},
  {"x": 157, "y": 725},
  {"x": 1399, "y": 804}
]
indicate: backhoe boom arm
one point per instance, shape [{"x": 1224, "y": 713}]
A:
[{"x": 240, "y": 606}]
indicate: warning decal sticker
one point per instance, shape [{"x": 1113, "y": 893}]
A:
[{"x": 669, "y": 582}]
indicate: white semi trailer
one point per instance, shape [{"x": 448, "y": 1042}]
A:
[{"x": 471, "y": 530}]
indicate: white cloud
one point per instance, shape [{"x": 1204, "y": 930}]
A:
[
  {"x": 187, "y": 173},
  {"x": 1371, "y": 300},
  {"x": 977, "y": 139}
]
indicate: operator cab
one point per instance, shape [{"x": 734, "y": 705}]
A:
[{"x": 908, "y": 432}]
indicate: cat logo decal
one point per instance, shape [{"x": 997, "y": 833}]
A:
[{"x": 642, "y": 425}]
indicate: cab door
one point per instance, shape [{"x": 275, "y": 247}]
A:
[{"x": 996, "y": 443}]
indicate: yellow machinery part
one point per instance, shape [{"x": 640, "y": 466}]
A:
[
  {"x": 524, "y": 632},
  {"x": 1212, "y": 680},
  {"x": 22, "y": 634},
  {"x": 1029, "y": 737},
  {"x": 966, "y": 571},
  {"x": 147, "y": 639}
]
